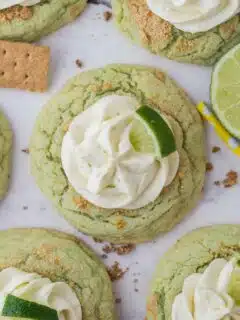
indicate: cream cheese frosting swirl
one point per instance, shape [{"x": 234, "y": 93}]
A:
[
  {"x": 195, "y": 15},
  {"x": 4, "y": 4},
  {"x": 205, "y": 296},
  {"x": 33, "y": 287},
  {"x": 101, "y": 163}
]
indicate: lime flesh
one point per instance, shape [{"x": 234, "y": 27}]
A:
[
  {"x": 19, "y": 308},
  {"x": 234, "y": 287},
  {"x": 151, "y": 134},
  {"x": 225, "y": 91}
]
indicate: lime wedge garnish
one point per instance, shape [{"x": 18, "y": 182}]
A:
[
  {"x": 234, "y": 287},
  {"x": 19, "y": 308},
  {"x": 225, "y": 91},
  {"x": 151, "y": 134}
]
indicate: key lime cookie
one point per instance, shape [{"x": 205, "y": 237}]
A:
[
  {"x": 120, "y": 152},
  {"x": 29, "y": 20},
  {"x": 195, "y": 31},
  {"x": 5, "y": 154},
  {"x": 50, "y": 275},
  {"x": 199, "y": 277}
]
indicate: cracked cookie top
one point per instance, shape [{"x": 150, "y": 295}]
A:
[{"x": 151, "y": 87}]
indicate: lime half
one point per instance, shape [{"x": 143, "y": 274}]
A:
[
  {"x": 151, "y": 134},
  {"x": 19, "y": 308},
  {"x": 225, "y": 91}
]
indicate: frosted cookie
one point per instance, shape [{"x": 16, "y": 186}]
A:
[
  {"x": 29, "y": 20},
  {"x": 46, "y": 274},
  {"x": 5, "y": 154},
  {"x": 199, "y": 277},
  {"x": 181, "y": 30},
  {"x": 120, "y": 152}
]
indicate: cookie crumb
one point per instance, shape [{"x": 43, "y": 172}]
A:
[
  {"x": 115, "y": 272},
  {"x": 209, "y": 166},
  {"x": 98, "y": 240},
  {"x": 107, "y": 15},
  {"x": 216, "y": 149},
  {"x": 108, "y": 248},
  {"x": 79, "y": 63},
  {"x": 25, "y": 150},
  {"x": 217, "y": 183},
  {"x": 121, "y": 250},
  {"x": 231, "y": 179},
  {"x": 121, "y": 224},
  {"x": 118, "y": 300},
  {"x": 104, "y": 256}
]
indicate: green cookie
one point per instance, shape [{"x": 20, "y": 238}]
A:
[
  {"x": 5, "y": 154},
  {"x": 191, "y": 254},
  {"x": 61, "y": 257},
  {"x": 160, "y": 37},
  {"x": 150, "y": 87},
  {"x": 31, "y": 23}
]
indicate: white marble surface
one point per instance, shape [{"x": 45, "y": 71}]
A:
[{"x": 97, "y": 43}]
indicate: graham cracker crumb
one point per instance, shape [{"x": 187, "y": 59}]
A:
[
  {"x": 79, "y": 63},
  {"x": 115, "y": 272},
  {"x": 180, "y": 174},
  {"x": 121, "y": 224},
  {"x": 16, "y": 12},
  {"x": 216, "y": 149},
  {"x": 119, "y": 249},
  {"x": 80, "y": 202},
  {"x": 66, "y": 127},
  {"x": 107, "y": 15},
  {"x": 231, "y": 179},
  {"x": 25, "y": 150},
  {"x": 209, "y": 166}
]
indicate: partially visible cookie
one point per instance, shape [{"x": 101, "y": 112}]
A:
[
  {"x": 28, "y": 24},
  {"x": 5, "y": 154},
  {"x": 137, "y": 22},
  {"x": 191, "y": 255},
  {"x": 65, "y": 261}
]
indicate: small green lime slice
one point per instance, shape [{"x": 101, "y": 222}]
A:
[
  {"x": 225, "y": 91},
  {"x": 19, "y": 308},
  {"x": 150, "y": 133}
]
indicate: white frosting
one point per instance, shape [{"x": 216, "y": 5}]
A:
[
  {"x": 205, "y": 296},
  {"x": 4, "y": 4},
  {"x": 32, "y": 287},
  {"x": 195, "y": 15},
  {"x": 101, "y": 163}
]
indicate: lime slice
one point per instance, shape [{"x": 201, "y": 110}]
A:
[
  {"x": 234, "y": 287},
  {"x": 225, "y": 91},
  {"x": 19, "y": 308},
  {"x": 151, "y": 134}
]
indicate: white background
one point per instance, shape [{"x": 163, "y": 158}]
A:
[{"x": 96, "y": 43}]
